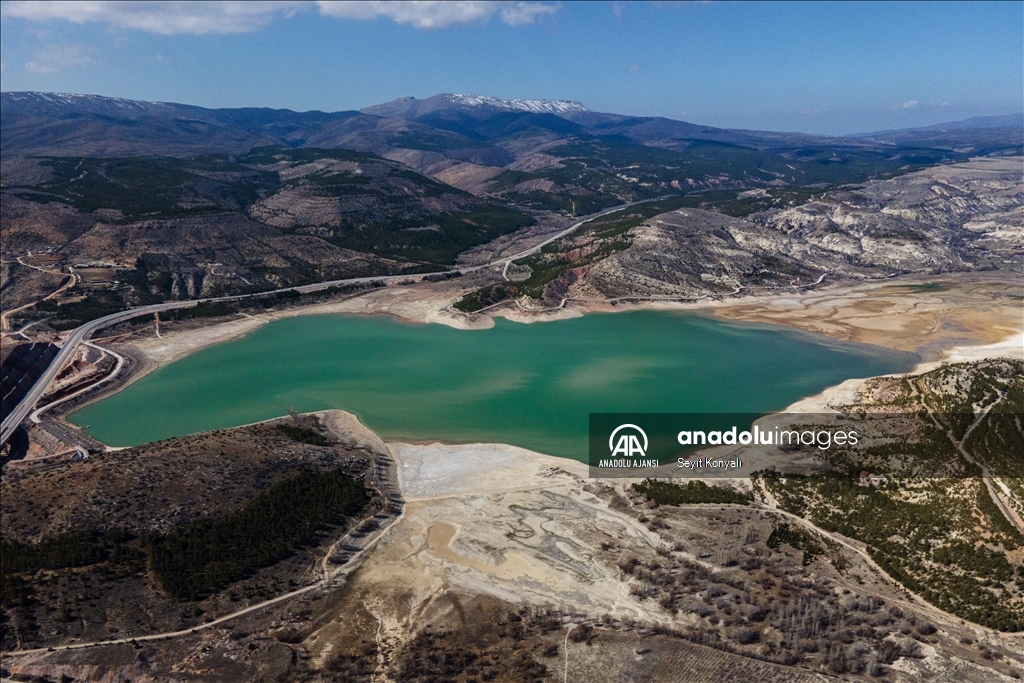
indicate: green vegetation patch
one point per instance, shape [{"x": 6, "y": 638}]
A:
[
  {"x": 341, "y": 290},
  {"x": 119, "y": 550},
  {"x": 75, "y": 549},
  {"x": 690, "y": 493},
  {"x": 149, "y": 187},
  {"x": 428, "y": 186},
  {"x": 207, "y": 309},
  {"x": 390, "y": 211},
  {"x": 508, "y": 178},
  {"x": 923, "y": 534},
  {"x": 333, "y": 180},
  {"x": 928, "y": 287},
  {"x": 796, "y": 538},
  {"x": 273, "y": 154},
  {"x": 484, "y": 297},
  {"x": 570, "y": 204},
  {"x": 433, "y": 239},
  {"x": 732, "y": 204},
  {"x": 593, "y": 242},
  {"x": 304, "y": 435},
  {"x": 926, "y": 515},
  {"x": 434, "y": 142},
  {"x": 213, "y": 552},
  {"x": 68, "y": 316},
  {"x": 545, "y": 268},
  {"x": 209, "y": 553}
]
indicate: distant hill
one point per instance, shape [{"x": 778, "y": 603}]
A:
[
  {"x": 1007, "y": 121},
  {"x": 979, "y": 135},
  {"x": 973, "y": 123},
  {"x": 48, "y": 123}
]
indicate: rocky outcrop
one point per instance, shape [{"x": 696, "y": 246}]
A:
[
  {"x": 964, "y": 217},
  {"x": 959, "y": 217}
]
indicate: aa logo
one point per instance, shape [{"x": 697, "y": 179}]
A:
[{"x": 628, "y": 445}]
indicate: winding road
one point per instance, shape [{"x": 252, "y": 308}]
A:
[{"x": 5, "y": 318}]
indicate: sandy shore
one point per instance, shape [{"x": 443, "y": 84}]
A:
[
  {"x": 848, "y": 392},
  {"x": 925, "y": 315},
  {"x": 418, "y": 304},
  {"x": 438, "y": 470}
]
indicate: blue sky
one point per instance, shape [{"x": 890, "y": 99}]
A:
[{"x": 819, "y": 68}]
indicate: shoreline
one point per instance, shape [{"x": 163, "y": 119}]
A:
[
  {"x": 420, "y": 305},
  {"x": 962, "y": 312},
  {"x": 848, "y": 391}
]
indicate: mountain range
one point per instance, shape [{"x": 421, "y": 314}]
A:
[
  {"x": 188, "y": 200},
  {"x": 50, "y": 123}
]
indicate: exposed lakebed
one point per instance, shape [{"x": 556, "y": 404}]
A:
[{"x": 528, "y": 385}]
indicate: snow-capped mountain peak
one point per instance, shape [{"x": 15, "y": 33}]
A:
[{"x": 532, "y": 106}]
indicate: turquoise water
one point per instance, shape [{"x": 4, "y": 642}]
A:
[{"x": 528, "y": 385}]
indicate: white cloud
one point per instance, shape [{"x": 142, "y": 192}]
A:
[
  {"x": 55, "y": 58},
  {"x": 907, "y": 105},
  {"x": 199, "y": 18},
  {"x": 633, "y": 68},
  {"x": 522, "y": 13},
  {"x": 419, "y": 14},
  {"x": 166, "y": 18},
  {"x": 428, "y": 14}
]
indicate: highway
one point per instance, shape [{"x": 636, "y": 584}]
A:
[{"x": 79, "y": 334}]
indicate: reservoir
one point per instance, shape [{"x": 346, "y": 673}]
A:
[{"x": 528, "y": 385}]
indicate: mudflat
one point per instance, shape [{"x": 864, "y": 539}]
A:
[{"x": 925, "y": 315}]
